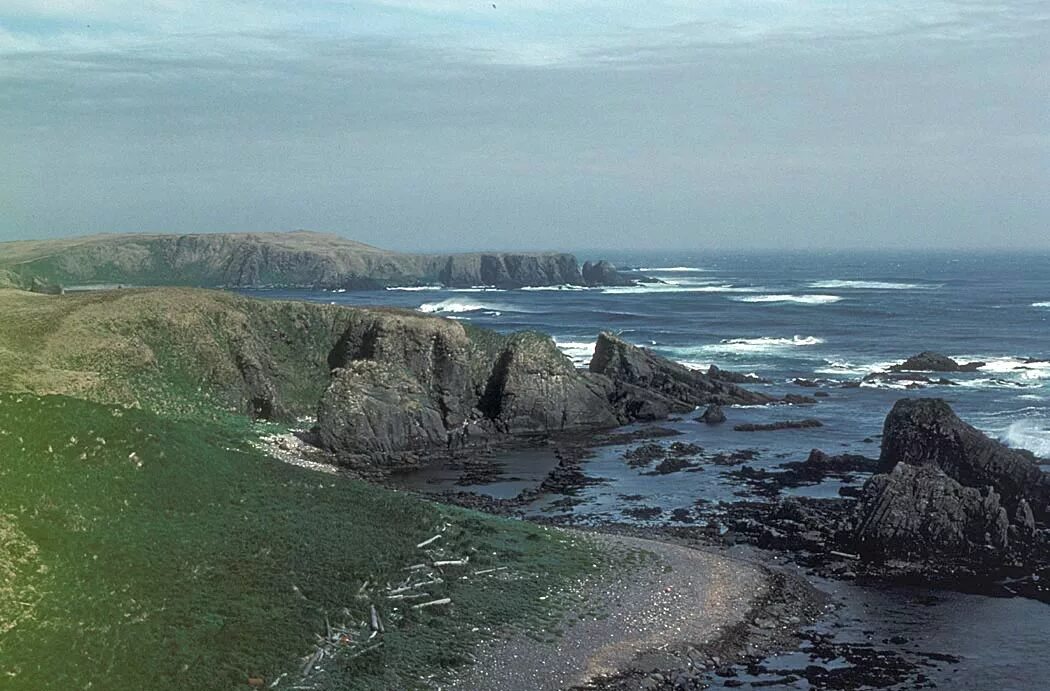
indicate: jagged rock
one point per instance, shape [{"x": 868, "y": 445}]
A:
[
  {"x": 919, "y": 512},
  {"x": 645, "y": 382},
  {"x": 714, "y": 415},
  {"x": 603, "y": 273},
  {"x": 925, "y": 431},
  {"x": 719, "y": 374},
  {"x": 929, "y": 361},
  {"x": 381, "y": 411},
  {"x": 405, "y": 384},
  {"x": 533, "y": 387},
  {"x": 779, "y": 425}
]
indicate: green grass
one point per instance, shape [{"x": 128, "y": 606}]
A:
[{"x": 181, "y": 572}]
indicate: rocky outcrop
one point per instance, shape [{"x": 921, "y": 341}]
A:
[
  {"x": 926, "y": 431},
  {"x": 714, "y": 415},
  {"x": 719, "y": 374},
  {"x": 647, "y": 386},
  {"x": 946, "y": 491},
  {"x": 603, "y": 273},
  {"x": 253, "y": 260},
  {"x": 919, "y": 513},
  {"x": 405, "y": 386},
  {"x": 929, "y": 361}
]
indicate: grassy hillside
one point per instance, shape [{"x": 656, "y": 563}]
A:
[
  {"x": 146, "y": 542},
  {"x": 144, "y": 553},
  {"x": 176, "y": 351}
]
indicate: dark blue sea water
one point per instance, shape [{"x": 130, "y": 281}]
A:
[{"x": 833, "y": 318}]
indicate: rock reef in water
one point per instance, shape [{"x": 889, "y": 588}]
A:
[
  {"x": 298, "y": 259},
  {"x": 929, "y": 361},
  {"x": 947, "y": 491}
]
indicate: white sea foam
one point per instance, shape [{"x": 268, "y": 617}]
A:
[
  {"x": 794, "y": 299},
  {"x": 1041, "y": 304},
  {"x": 461, "y": 306},
  {"x": 678, "y": 287},
  {"x": 566, "y": 286},
  {"x": 1012, "y": 367},
  {"x": 672, "y": 269},
  {"x": 838, "y": 367},
  {"x": 478, "y": 289},
  {"x": 414, "y": 289},
  {"x": 764, "y": 344},
  {"x": 870, "y": 285},
  {"x": 1030, "y": 434},
  {"x": 580, "y": 352}
]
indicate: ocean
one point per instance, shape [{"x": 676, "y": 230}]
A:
[{"x": 831, "y": 319}]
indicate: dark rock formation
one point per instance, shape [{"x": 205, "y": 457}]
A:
[
  {"x": 948, "y": 493},
  {"x": 603, "y": 273},
  {"x": 929, "y": 361},
  {"x": 719, "y": 374},
  {"x": 404, "y": 385},
  {"x": 919, "y": 512},
  {"x": 647, "y": 386},
  {"x": 779, "y": 425},
  {"x": 714, "y": 415},
  {"x": 925, "y": 431}
]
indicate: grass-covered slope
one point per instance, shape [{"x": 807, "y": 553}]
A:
[
  {"x": 138, "y": 552},
  {"x": 145, "y": 541},
  {"x": 171, "y": 350}
]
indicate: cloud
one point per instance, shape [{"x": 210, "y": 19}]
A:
[{"x": 421, "y": 124}]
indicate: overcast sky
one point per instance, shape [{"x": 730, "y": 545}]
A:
[{"x": 532, "y": 123}]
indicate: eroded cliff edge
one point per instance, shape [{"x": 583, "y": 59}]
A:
[{"x": 297, "y": 259}]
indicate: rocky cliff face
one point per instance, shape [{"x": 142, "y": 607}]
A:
[
  {"x": 946, "y": 491},
  {"x": 405, "y": 387},
  {"x": 275, "y": 259}
]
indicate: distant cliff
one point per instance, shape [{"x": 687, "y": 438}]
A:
[{"x": 252, "y": 260}]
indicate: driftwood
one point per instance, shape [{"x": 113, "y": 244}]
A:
[
  {"x": 845, "y": 555},
  {"x": 314, "y": 659},
  {"x": 442, "y": 601},
  {"x": 452, "y": 562},
  {"x": 377, "y": 623},
  {"x": 424, "y": 543},
  {"x": 484, "y": 571}
]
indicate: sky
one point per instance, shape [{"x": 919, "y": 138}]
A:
[{"x": 536, "y": 124}]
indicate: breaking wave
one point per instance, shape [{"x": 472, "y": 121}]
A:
[
  {"x": 460, "y": 306},
  {"x": 678, "y": 287},
  {"x": 792, "y": 299},
  {"x": 1041, "y": 304},
  {"x": 1028, "y": 434},
  {"x": 869, "y": 285},
  {"x": 580, "y": 352}
]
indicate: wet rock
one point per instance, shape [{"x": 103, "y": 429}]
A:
[
  {"x": 929, "y": 361},
  {"x": 919, "y": 513},
  {"x": 644, "y": 454},
  {"x": 926, "y": 431},
  {"x": 795, "y": 399},
  {"x": 779, "y": 425},
  {"x": 719, "y": 374},
  {"x": 713, "y": 415},
  {"x": 643, "y": 381}
]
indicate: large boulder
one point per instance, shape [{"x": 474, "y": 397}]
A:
[
  {"x": 929, "y": 361},
  {"x": 534, "y": 387},
  {"x": 925, "y": 431},
  {"x": 380, "y": 412},
  {"x": 917, "y": 513}
]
